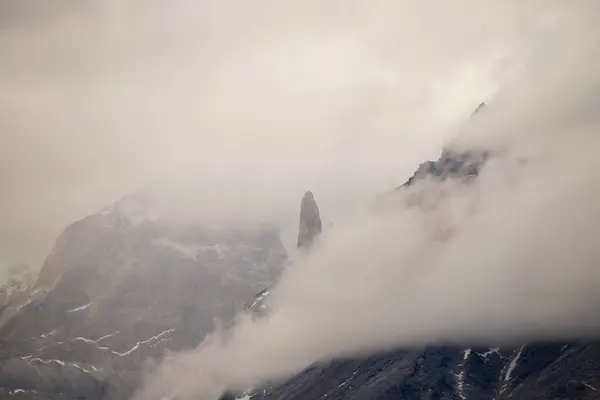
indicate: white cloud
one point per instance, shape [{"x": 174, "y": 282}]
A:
[{"x": 99, "y": 99}]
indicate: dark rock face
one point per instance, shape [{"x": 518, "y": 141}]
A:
[
  {"x": 451, "y": 165},
  {"x": 310, "y": 221},
  {"x": 116, "y": 292},
  {"x": 533, "y": 371}
]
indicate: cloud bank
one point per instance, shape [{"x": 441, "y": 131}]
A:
[
  {"x": 518, "y": 261},
  {"x": 229, "y": 100}
]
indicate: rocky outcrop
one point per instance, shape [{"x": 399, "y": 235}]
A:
[
  {"x": 452, "y": 164},
  {"x": 310, "y": 221}
]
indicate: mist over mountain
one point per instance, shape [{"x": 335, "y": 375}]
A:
[
  {"x": 491, "y": 257},
  {"x": 228, "y": 100},
  {"x": 232, "y": 200}
]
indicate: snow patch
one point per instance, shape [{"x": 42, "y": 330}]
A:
[
  {"x": 348, "y": 380},
  {"x": 17, "y": 391},
  {"x": 344, "y": 383},
  {"x": 96, "y": 340},
  {"x": 590, "y": 386},
  {"x": 138, "y": 344},
  {"x": 106, "y": 336},
  {"x": 59, "y": 362},
  {"x": 80, "y": 308},
  {"x": 460, "y": 377},
  {"x": 62, "y": 364},
  {"x": 513, "y": 364},
  {"x": 24, "y": 304},
  {"x": 259, "y": 299},
  {"x": 45, "y": 335},
  {"x": 485, "y": 355},
  {"x": 511, "y": 367},
  {"x": 81, "y": 368}
]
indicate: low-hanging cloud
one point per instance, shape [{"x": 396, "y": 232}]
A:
[
  {"x": 512, "y": 256},
  {"x": 232, "y": 99}
]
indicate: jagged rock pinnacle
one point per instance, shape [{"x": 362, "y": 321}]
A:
[{"x": 310, "y": 221}]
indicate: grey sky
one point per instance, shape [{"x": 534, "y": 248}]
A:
[{"x": 258, "y": 99}]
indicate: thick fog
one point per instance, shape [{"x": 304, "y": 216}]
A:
[
  {"x": 233, "y": 99},
  {"x": 511, "y": 257},
  {"x": 238, "y": 107}
]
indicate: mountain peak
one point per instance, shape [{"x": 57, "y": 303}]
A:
[{"x": 310, "y": 221}]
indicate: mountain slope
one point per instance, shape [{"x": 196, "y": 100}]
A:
[{"x": 120, "y": 287}]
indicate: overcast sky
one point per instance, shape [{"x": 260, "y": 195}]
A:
[{"x": 256, "y": 100}]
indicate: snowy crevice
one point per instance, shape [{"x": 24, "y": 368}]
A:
[
  {"x": 138, "y": 344},
  {"x": 488, "y": 353},
  {"x": 61, "y": 363},
  {"x": 513, "y": 364},
  {"x": 510, "y": 369},
  {"x": 460, "y": 377},
  {"x": 83, "y": 307},
  {"x": 86, "y": 340},
  {"x": 590, "y": 386},
  {"x": 46, "y": 335},
  {"x": 17, "y": 391},
  {"x": 152, "y": 342}
]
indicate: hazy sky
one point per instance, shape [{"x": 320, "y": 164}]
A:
[{"x": 234, "y": 99}]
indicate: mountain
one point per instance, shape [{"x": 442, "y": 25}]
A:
[
  {"x": 549, "y": 371},
  {"x": 124, "y": 285},
  {"x": 120, "y": 288}
]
